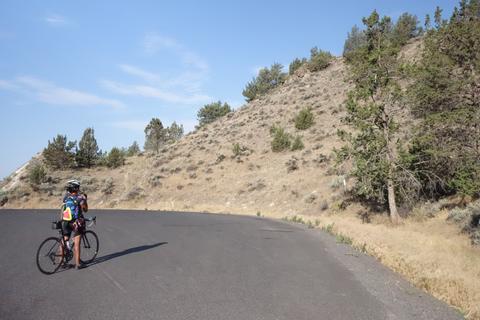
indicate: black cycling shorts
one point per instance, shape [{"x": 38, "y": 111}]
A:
[{"x": 67, "y": 229}]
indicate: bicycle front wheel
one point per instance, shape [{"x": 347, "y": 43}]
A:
[
  {"x": 88, "y": 246},
  {"x": 50, "y": 255}
]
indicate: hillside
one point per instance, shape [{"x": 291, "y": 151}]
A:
[{"x": 199, "y": 172}]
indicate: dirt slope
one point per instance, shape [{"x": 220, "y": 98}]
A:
[{"x": 199, "y": 172}]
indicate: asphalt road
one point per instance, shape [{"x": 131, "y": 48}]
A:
[{"x": 157, "y": 265}]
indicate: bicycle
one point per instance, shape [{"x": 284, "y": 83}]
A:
[{"x": 54, "y": 252}]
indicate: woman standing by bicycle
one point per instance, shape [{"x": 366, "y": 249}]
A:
[{"x": 74, "y": 205}]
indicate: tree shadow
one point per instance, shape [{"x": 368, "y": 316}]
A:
[{"x": 125, "y": 252}]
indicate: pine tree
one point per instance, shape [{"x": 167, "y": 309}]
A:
[
  {"x": 371, "y": 111},
  {"x": 87, "y": 153},
  {"x": 155, "y": 135},
  {"x": 59, "y": 153}
]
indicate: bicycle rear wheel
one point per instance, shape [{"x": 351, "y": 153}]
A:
[
  {"x": 88, "y": 246},
  {"x": 50, "y": 255}
]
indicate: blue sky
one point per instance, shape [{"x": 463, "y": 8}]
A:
[{"x": 113, "y": 65}]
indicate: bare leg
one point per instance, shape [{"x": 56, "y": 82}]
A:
[
  {"x": 76, "y": 249},
  {"x": 60, "y": 249}
]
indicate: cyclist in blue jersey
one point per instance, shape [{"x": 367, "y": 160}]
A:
[{"x": 74, "y": 205}]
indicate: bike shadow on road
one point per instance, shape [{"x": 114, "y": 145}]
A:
[{"x": 125, "y": 252}]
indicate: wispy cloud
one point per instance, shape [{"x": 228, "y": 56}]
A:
[
  {"x": 154, "y": 43},
  {"x": 131, "y": 125},
  {"x": 184, "y": 87},
  {"x": 7, "y": 85},
  {"x": 153, "y": 92},
  {"x": 138, "y": 72},
  {"x": 47, "y": 92},
  {"x": 56, "y": 20}
]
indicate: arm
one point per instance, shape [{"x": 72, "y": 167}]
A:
[{"x": 83, "y": 203}]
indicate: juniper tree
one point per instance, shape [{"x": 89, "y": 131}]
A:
[
  {"x": 87, "y": 152},
  {"x": 319, "y": 59},
  {"x": 446, "y": 98},
  {"x": 155, "y": 135},
  {"x": 372, "y": 107},
  {"x": 427, "y": 23},
  {"x": 115, "y": 158},
  {"x": 406, "y": 28},
  {"x": 267, "y": 79},
  {"x": 59, "y": 153},
  {"x": 174, "y": 132},
  {"x": 211, "y": 112},
  {"x": 355, "y": 39},
  {"x": 439, "y": 22},
  {"x": 295, "y": 65},
  {"x": 36, "y": 173},
  {"x": 133, "y": 150}
]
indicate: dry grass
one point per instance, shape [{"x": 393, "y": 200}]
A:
[{"x": 431, "y": 254}]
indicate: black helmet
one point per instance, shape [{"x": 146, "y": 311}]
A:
[{"x": 73, "y": 185}]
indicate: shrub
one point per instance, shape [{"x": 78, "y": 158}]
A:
[
  {"x": 340, "y": 238},
  {"x": 337, "y": 182},
  {"x": 108, "y": 186},
  {"x": 304, "y": 119},
  {"x": 468, "y": 219},
  {"x": 134, "y": 193},
  {"x": 324, "y": 205},
  {"x": 115, "y": 158},
  {"x": 291, "y": 165},
  {"x": 212, "y": 111},
  {"x": 281, "y": 139},
  {"x": 297, "y": 144},
  {"x": 319, "y": 59},
  {"x": 102, "y": 158},
  {"x": 36, "y": 174},
  {"x": 329, "y": 228},
  {"x": 295, "y": 64},
  {"x": 237, "y": 149},
  {"x": 3, "y": 198},
  {"x": 266, "y": 80},
  {"x": 427, "y": 210}
]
